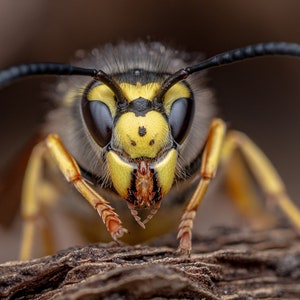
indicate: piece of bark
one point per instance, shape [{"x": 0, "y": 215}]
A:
[{"x": 226, "y": 264}]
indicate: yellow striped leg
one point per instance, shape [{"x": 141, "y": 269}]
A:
[
  {"x": 263, "y": 171},
  {"x": 35, "y": 194},
  {"x": 71, "y": 171},
  {"x": 210, "y": 161}
]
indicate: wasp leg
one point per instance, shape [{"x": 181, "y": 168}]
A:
[
  {"x": 210, "y": 161},
  {"x": 241, "y": 187},
  {"x": 265, "y": 174},
  {"x": 35, "y": 194},
  {"x": 71, "y": 171}
]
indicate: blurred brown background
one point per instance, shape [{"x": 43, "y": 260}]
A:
[{"x": 259, "y": 97}]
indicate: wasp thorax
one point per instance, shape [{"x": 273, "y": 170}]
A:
[{"x": 141, "y": 136}]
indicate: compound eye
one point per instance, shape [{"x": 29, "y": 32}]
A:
[
  {"x": 99, "y": 121},
  {"x": 180, "y": 118}
]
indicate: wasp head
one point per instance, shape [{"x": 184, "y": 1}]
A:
[{"x": 141, "y": 134}]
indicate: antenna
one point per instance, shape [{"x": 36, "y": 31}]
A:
[
  {"x": 12, "y": 73},
  {"x": 232, "y": 56}
]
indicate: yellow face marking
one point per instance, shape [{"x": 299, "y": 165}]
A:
[
  {"x": 179, "y": 90},
  {"x": 147, "y": 91},
  {"x": 104, "y": 94},
  {"x": 120, "y": 173},
  {"x": 166, "y": 171},
  {"x": 141, "y": 136},
  {"x": 134, "y": 91}
]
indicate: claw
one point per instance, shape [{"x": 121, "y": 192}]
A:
[
  {"x": 111, "y": 221},
  {"x": 185, "y": 232}
]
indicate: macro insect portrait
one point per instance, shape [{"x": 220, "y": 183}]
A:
[{"x": 134, "y": 134}]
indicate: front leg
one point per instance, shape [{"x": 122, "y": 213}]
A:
[
  {"x": 210, "y": 161},
  {"x": 71, "y": 171}
]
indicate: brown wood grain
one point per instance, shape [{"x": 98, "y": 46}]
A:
[{"x": 225, "y": 264}]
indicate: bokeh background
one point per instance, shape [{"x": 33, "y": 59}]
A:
[{"x": 259, "y": 97}]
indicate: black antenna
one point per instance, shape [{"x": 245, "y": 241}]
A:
[
  {"x": 252, "y": 51},
  {"x": 109, "y": 81},
  {"x": 10, "y": 74},
  {"x": 16, "y": 72}
]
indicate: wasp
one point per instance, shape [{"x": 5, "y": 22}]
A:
[{"x": 135, "y": 133}]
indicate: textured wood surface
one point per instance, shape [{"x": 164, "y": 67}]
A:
[{"x": 226, "y": 264}]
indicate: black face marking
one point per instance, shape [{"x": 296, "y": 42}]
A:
[
  {"x": 142, "y": 131},
  {"x": 140, "y": 107},
  {"x": 151, "y": 142}
]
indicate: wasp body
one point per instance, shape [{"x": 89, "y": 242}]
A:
[
  {"x": 139, "y": 152},
  {"x": 140, "y": 134}
]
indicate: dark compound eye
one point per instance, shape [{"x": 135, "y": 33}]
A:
[
  {"x": 180, "y": 118},
  {"x": 99, "y": 121}
]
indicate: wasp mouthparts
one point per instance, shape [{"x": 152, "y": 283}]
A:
[{"x": 145, "y": 185}]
